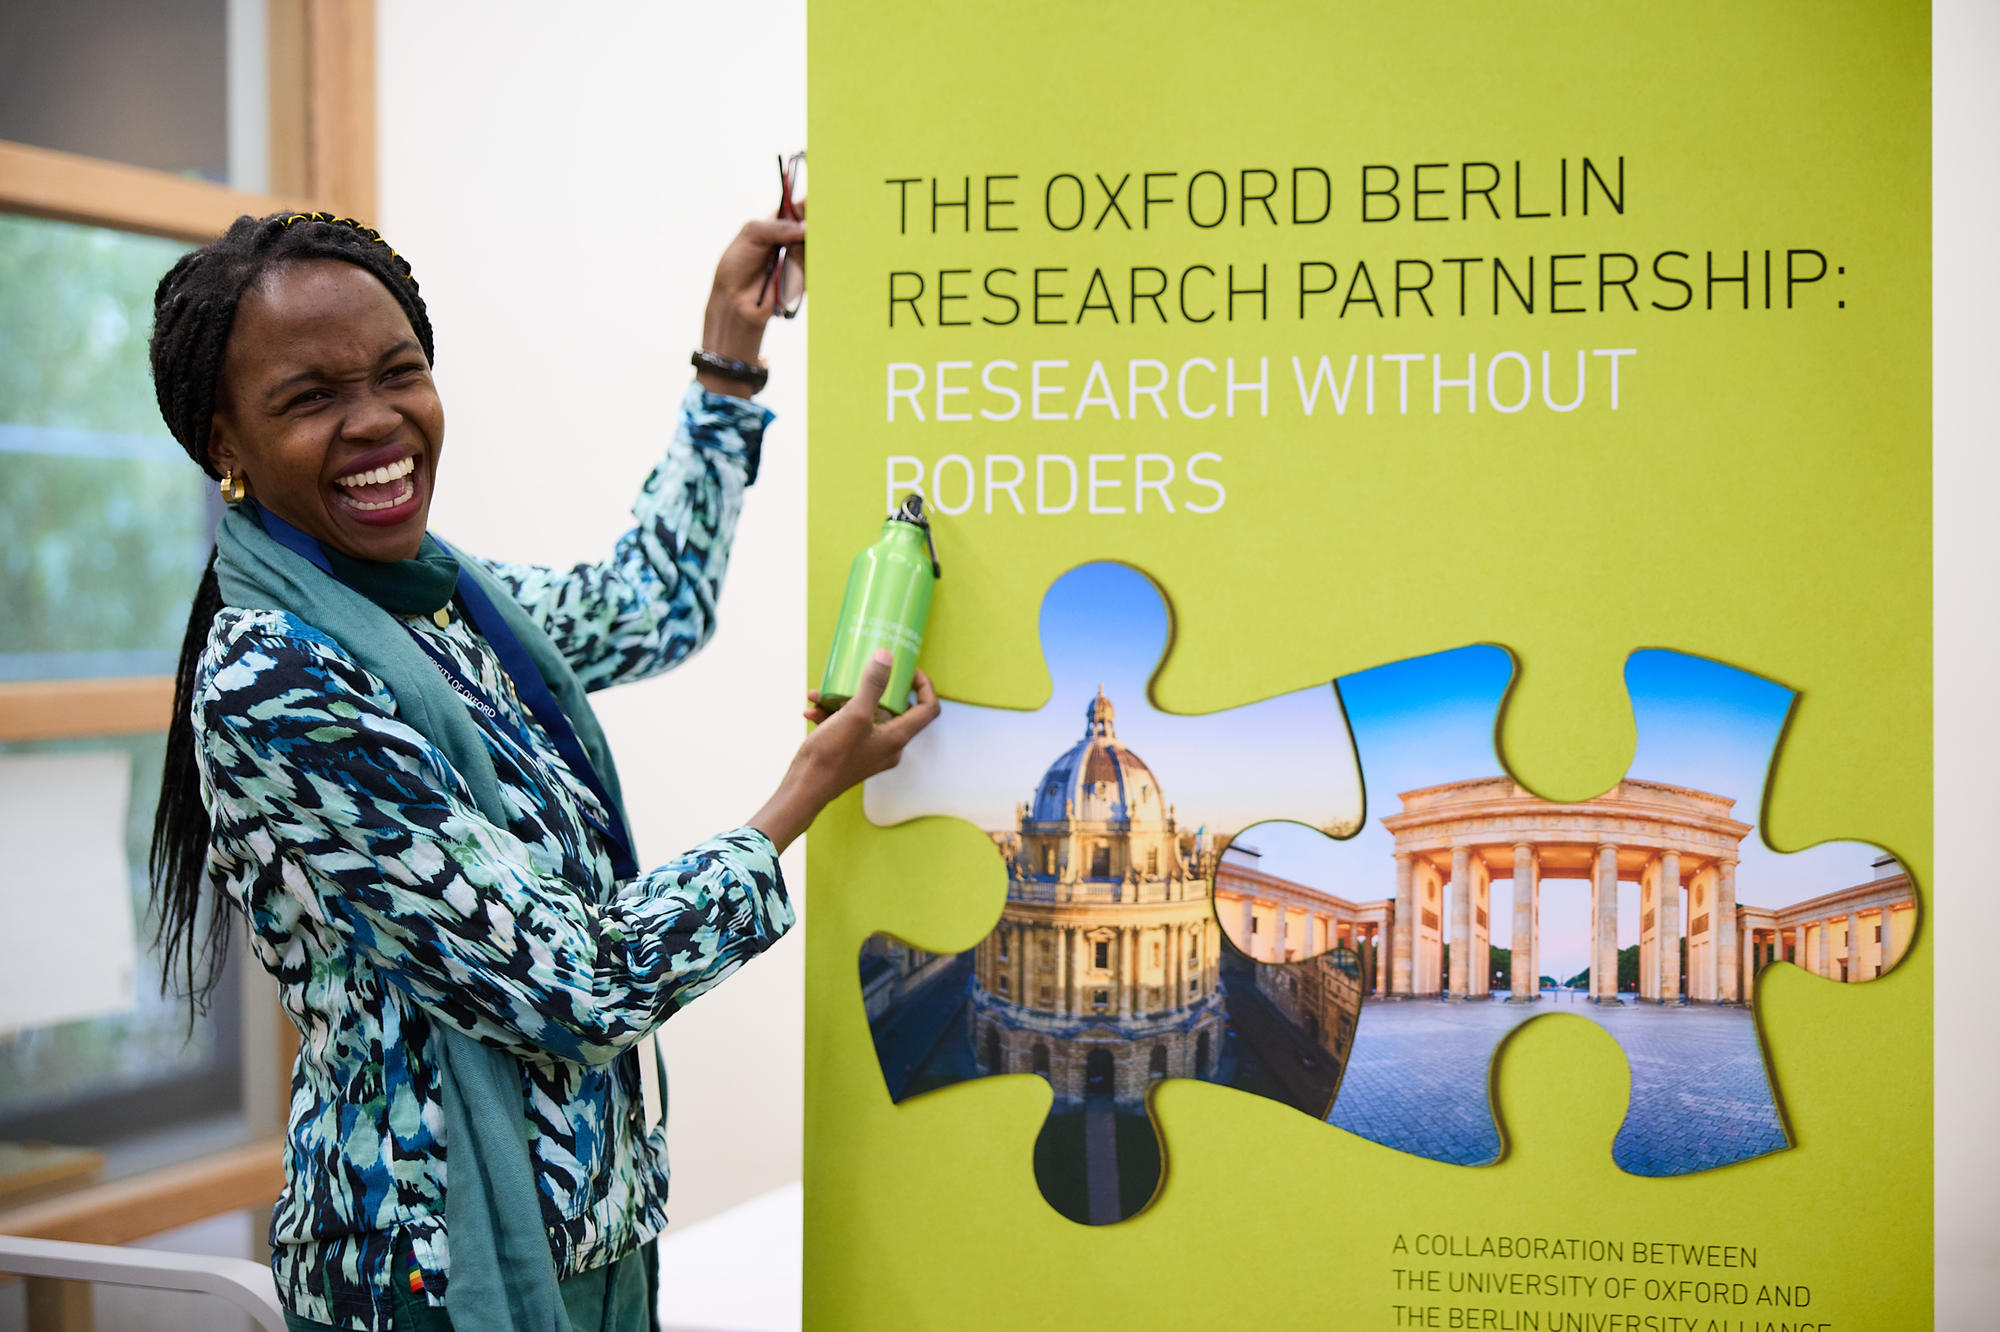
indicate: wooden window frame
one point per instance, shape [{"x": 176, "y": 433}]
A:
[
  {"x": 322, "y": 120},
  {"x": 323, "y": 154}
]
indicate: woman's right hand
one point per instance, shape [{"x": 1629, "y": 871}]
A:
[{"x": 846, "y": 748}]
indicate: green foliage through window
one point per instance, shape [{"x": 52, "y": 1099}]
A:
[{"x": 104, "y": 523}]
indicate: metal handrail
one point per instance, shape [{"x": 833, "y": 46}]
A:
[{"x": 236, "y": 1281}]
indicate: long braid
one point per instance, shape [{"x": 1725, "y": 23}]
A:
[
  {"x": 194, "y": 310},
  {"x": 181, "y": 827}
]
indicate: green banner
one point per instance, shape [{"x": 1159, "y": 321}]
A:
[{"x": 1551, "y": 381}]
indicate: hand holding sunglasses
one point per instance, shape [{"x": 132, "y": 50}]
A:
[
  {"x": 762, "y": 272},
  {"x": 785, "y": 275}
]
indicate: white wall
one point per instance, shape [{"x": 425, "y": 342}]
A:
[
  {"x": 562, "y": 179},
  {"x": 1965, "y": 910}
]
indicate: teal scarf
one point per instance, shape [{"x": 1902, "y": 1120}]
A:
[{"x": 503, "y": 1277}]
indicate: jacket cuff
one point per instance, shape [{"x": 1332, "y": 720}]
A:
[{"x": 728, "y": 425}]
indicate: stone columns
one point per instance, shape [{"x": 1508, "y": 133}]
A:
[
  {"x": 1522, "y": 982},
  {"x": 1800, "y": 958},
  {"x": 1750, "y": 965},
  {"x": 1461, "y": 921},
  {"x": 1139, "y": 940},
  {"x": 1825, "y": 948},
  {"x": 1888, "y": 935},
  {"x": 1855, "y": 971},
  {"x": 1604, "y": 974},
  {"x": 1667, "y": 938},
  {"x": 1404, "y": 934},
  {"x": 1723, "y": 923},
  {"x": 1066, "y": 967},
  {"x": 1535, "y": 918},
  {"x": 1129, "y": 991}
]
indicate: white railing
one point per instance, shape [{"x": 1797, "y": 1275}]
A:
[{"x": 238, "y": 1282}]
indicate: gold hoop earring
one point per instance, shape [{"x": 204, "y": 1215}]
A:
[{"x": 232, "y": 488}]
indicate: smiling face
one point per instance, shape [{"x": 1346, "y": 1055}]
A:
[{"x": 327, "y": 410}]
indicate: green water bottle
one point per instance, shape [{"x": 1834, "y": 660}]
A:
[{"x": 887, "y": 604}]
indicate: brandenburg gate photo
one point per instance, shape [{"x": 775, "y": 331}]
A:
[
  {"x": 1452, "y": 841},
  {"x": 1680, "y": 845}
]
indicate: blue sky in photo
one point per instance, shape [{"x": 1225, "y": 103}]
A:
[
  {"x": 1107, "y": 624},
  {"x": 1431, "y": 720},
  {"x": 1415, "y": 723}
]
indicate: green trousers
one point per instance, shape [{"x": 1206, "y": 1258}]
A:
[{"x": 618, "y": 1297}]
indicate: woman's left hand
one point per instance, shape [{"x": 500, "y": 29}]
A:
[
  {"x": 847, "y": 747},
  {"x": 733, "y": 327}
]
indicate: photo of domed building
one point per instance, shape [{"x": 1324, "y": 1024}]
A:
[{"x": 1105, "y": 972}]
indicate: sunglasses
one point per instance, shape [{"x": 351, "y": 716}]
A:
[{"x": 785, "y": 274}]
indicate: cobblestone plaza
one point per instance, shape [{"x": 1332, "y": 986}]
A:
[{"x": 1417, "y": 1081}]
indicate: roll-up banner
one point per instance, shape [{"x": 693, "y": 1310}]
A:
[{"x": 1430, "y": 825}]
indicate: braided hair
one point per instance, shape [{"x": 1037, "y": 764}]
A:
[{"x": 194, "y": 309}]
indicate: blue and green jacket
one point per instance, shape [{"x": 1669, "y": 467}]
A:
[{"x": 384, "y": 902}]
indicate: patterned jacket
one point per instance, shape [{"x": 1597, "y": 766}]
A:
[{"x": 384, "y": 901}]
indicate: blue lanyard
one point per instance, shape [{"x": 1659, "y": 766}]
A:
[{"x": 534, "y": 691}]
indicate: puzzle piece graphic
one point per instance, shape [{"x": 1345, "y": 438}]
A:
[
  {"x": 1278, "y": 930},
  {"x": 1664, "y": 961},
  {"x": 1107, "y": 972}
]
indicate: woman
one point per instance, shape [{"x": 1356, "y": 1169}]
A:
[{"x": 381, "y": 753}]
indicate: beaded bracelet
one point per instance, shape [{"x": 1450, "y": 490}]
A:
[{"x": 743, "y": 372}]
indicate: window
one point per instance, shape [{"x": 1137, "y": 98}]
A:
[
  {"x": 1103, "y": 951},
  {"x": 1003, "y": 982},
  {"x": 175, "y": 103},
  {"x": 1100, "y": 1000},
  {"x": 104, "y": 524},
  {"x": 1253, "y": 924},
  {"x": 104, "y": 527},
  {"x": 1048, "y": 859},
  {"x": 1157, "y": 952},
  {"x": 1100, "y": 862},
  {"x": 1153, "y": 860}
]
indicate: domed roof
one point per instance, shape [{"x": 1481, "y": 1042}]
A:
[{"x": 1099, "y": 780}]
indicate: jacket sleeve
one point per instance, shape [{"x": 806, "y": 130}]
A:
[
  {"x": 652, "y": 604},
  {"x": 377, "y": 838}
]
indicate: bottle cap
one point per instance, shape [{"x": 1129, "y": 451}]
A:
[{"x": 912, "y": 511}]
